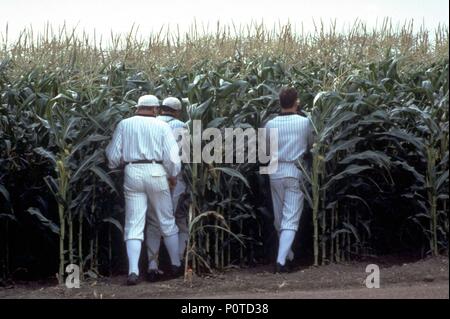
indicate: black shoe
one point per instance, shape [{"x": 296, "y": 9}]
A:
[
  {"x": 176, "y": 271},
  {"x": 133, "y": 279},
  {"x": 291, "y": 265},
  {"x": 280, "y": 269},
  {"x": 154, "y": 275}
]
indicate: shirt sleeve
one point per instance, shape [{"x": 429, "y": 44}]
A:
[
  {"x": 268, "y": 132},
  {"x": 114, "y": 148},
  {"x": 171, "y": 157}
]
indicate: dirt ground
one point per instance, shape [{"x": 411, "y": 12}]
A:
[{"x": 427, "y": 278}]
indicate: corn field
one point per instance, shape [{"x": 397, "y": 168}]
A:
[{"x": 376, "y": 182}]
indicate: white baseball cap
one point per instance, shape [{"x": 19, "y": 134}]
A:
[
  {"x": 173, "y": 103},
  {"x": 148, "y": 100}
]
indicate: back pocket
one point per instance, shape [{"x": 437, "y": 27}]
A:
[{"x": 157, "y": 183}]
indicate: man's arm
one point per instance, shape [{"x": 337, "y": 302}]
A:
[
  {"x": 114, "y": 148},
  {"x": 171, "y": 157}
]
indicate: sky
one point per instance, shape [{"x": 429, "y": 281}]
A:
[{"x": 150, "y": 15}]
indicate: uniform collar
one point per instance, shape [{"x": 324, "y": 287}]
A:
[
  {"x": 146, "y": 115},
  {"x": 287, "y": 113}
]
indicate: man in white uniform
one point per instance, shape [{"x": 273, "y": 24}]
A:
[
  {"x": 147, "y": 148},
  {"x": 294, "y": 139},
  {"x": 169, "y": 113}
]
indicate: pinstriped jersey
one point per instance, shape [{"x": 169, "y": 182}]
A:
[
  {"x": 173, "y": 122},
  {"x": 178, "y": 128},
  {"x": 144, "y": 138},
  {"x": 294, "y": 139}
]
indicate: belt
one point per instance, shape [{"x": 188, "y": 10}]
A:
[{"x": 144, "y": 162}]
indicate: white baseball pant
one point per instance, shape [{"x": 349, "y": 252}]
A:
[
  {"x": 145, "y": 187},
  {"x": 287, "y": 201},
  {"x": 153, "y": 232}
]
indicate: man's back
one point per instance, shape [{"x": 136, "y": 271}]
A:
[
  {"x": 144, "y": 138},
  {"x": 294, "y": 139},
  {"x": 173, "y": 122}
]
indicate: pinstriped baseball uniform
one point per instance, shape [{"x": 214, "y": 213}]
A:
[
  {"x": 177, "y": 127},
  {"x": 145, "y": 138},
  {"x": 152, "y": 229},
  {"x": 294, "y": 139}
]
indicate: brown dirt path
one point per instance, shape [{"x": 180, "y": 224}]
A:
[
  {"x": 427, "y": 278},
  {"x": 438, "y": 290}
]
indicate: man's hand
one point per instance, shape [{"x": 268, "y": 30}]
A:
[{"x": 172, "y": 182}]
